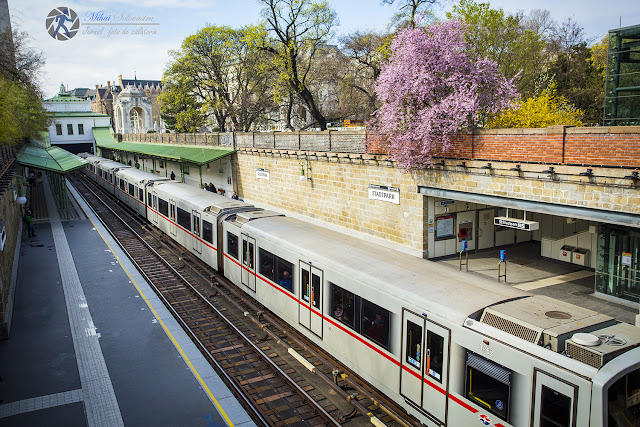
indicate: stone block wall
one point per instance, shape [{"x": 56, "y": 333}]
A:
[
  {"x": 11, "y": 214},
  {"x": 337, "y": 195}
]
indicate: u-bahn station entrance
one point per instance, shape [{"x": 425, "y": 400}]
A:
[{"x": 567, "y": 196}]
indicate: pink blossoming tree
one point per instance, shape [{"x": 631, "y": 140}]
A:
[{"x": 431, "y": 89}]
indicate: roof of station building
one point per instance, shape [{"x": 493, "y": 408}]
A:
[
  {"x": 198, "y": 155},
  {"x": 54, "y": 159}
]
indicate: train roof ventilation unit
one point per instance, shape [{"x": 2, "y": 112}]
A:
[
  {"x": 252, "y": 215},
  {"x": 543, "y": 321},
  {"x": 601, "y": 346}
]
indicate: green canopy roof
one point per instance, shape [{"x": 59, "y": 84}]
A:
[
  {"x": 187, "y": 154},
  {"x": 53, "y": 159}
]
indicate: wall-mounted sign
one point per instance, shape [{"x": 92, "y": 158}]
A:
[
  {"x": 519, "y": 224},
  {"x": 262, "y": 173},
  {"x": 626, "y": 258},
  {"x": 445, "y": 202},
  {"x": 384, "y": 193}
]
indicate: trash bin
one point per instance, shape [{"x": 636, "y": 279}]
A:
[
  {"x": 581, "y": 257},
  {"x": 566, "y": 253}
]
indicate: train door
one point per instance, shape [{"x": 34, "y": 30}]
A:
[
  {"x": 197, "y": 243},
  {"x": 153, "y": 204},
  {"x": 485, "y": 228},
  {"x": 424, "y": 366},
  {"x": 172, "y": 216},
  {"x": 248, "y": 262},
  {"x": 555, "y": 401},
  {"x": 310, "y": 307}
]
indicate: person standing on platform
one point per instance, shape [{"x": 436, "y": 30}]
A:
[
  {"x": 235, "y": 196},
  {"x": 173, "y": 176},
  {"x": 28, "y": 220}
]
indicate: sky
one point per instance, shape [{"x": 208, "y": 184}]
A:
[{"x": 96, "y": 54}]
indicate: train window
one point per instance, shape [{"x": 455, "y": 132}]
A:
[
  {"x": 276, "y": 269},
  {"x": 435, "y": 355},
  {"x": 163, "y": 207},
  {"x": 149, "y": 199},
  {"x": 344, "y": 305},
  {"x": 207, "y": 231},
  {"x": 623, "y": 399},
  {"x": 488, "y": 385},
  {"x": 141, "y": 194},
  {"x": 132, "y": 189},
  {"x": 414, "y": 341},
  {"x": 122, "y": 184},
  {"x": 315, "y": 291},
  {"x": 304, "y": 285},
  {"x": 375, "y": 323},
  {"x": 232, "y": 245},
  {"x": 555, "y": 410},
  {"x": 247, "y": 254},
  {"x": 184, "y": 219}
]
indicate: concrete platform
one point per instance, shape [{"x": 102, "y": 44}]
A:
[
  {"x": 528, "y": 270},
  {"x": 92, "y": 345}
]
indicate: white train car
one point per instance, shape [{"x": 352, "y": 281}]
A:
[
  {"x": 131, "y": 186},
  {"x": 453, "y": 348},
  {"x": 190, "y": 215},
  {"x": 105, "y": 171}
]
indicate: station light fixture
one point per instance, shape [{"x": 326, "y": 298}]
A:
[
  {"x": 462, "y": 165},
  {"x": 516, "y": 169},
  {"x": 550, "y": 171},
  {"x": 487, "y": 166},
  {"x": 440, "y": 163},
  {"x": 305, "y": 169},
  {"x": 589, "y": 172},
  {"x": 634, "y": 176}
]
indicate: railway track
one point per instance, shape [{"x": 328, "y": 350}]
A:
[{"x": 266, "y": 377}]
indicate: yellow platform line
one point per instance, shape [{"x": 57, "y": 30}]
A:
[
  {"x": 555, "y": 280},
  {"x": 169, "y": 334}
]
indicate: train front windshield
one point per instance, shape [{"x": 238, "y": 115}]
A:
[{"x": 624, "y": 401}]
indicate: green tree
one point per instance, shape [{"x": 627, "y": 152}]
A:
[
  {"x": 366, "y": 53},
  {"x": 293, "y": 32},
  {"x": 546, "y": 109},
  {"x": 179, "y": 109},
  {"x": 580, "y": 81},
  {"x": 409, "y": 11},
  {"x": 506, "y": 39},
  {"x": 21, "y": 112},
  {"x": 218, "y": 75}
]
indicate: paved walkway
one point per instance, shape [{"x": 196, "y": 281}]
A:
[
  {"x": 528, "y": 270},
  {"x": 91, "y": 344}
]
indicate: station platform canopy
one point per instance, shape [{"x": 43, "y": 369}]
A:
[
  {"x": 198, "y": 155},
  {"x": 52, "y": 159}
]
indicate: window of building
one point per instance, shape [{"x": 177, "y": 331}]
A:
[
  {"x": 207, "y": 231},
  {"x": 488, "y": 385},
  {"x": 80, "y": 129},
  {"x": 69, "y": 129},
  {"x": 161, "y": 164},
  {"x": 58, "y": 129},
  {"x": 163, "y": 207},
  {"x": 184, "y": 219},
  {"x": 276, "y": 269},
  {"x": 618, "y": 262},
  {"x": 232, "y": 245}
]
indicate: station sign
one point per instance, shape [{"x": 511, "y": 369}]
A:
[
  {"x": 445, "y": 202},
  {"x": 384, "y": 193},
  {"x": 262, "y": 174},
  {"x": 518, "y": 224}
]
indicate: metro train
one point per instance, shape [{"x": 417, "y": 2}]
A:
[{"x": 452, "y": 348}]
